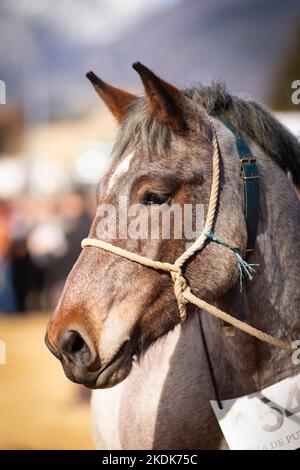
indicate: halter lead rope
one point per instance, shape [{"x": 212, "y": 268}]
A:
[{"x": 182, "y": 291}]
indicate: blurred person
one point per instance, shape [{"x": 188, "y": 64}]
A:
[
  {"x": 75, "y": 223},
  {"x": 27, "y": 277},
  {"x": 47, "y": 246},
  {"x": 8, "y": 302}
]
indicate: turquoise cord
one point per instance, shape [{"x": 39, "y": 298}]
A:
[{"x": 246, "y": 269}]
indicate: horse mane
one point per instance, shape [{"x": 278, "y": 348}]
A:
[{"x": 252, "y": 121}]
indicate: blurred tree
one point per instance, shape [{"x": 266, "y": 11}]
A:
[{"x": 289, "y": 71}]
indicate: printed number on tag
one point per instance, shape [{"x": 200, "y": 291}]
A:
[{"x": 269, "y": 419}]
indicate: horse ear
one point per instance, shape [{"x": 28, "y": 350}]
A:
[
  {"x": 116, "y": 100},
  {"x": 164, "y": 99}
]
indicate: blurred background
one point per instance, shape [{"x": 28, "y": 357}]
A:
[{"x": 55, "y": 144}]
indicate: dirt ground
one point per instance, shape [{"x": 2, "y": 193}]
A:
[{"x": 39, "y": 407}]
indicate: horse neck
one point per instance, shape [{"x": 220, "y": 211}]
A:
[{"x": 273, "y": 295}]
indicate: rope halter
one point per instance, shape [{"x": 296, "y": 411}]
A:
[{"x": 182, "y": 291}]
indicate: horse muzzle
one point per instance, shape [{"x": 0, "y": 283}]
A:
[{"x": 81, "y": 365}]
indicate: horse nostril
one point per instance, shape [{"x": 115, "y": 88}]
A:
[
  {"x": 51, "y": 348},
  {"x": 75, "y": 348}
]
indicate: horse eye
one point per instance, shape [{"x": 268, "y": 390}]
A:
[{"x": 154, "y": 198}]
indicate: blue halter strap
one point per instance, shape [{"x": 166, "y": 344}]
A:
[{"x": 250, "y": 180}]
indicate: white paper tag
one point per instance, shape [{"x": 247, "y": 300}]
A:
[{"x": 266, "y": 420}]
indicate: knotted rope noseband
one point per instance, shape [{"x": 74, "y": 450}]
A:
[{"x": 182, "y": 291}]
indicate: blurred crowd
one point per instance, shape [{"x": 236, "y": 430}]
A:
[{"x": 39, "y": 242}]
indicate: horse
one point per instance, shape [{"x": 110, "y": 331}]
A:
[{"x": 116, "y": 328}]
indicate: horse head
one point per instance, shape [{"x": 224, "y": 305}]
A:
[{"x": 111, "y": 308}]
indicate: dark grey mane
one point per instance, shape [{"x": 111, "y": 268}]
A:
[{"x": 251, "y": 120}]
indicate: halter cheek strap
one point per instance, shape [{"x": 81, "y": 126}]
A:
[
  {"x": 250, "y": 180},
  {"x": 182, "y": 291}
]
